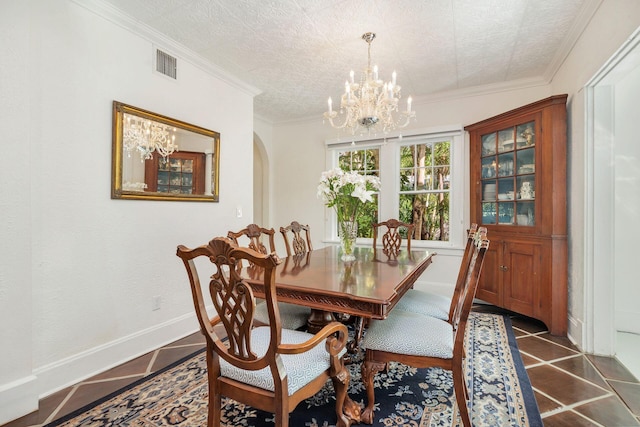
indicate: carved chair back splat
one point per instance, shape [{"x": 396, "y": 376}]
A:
[
  {"x": 391, "y": 239},
  {"x": 299, "y": 244},
  {"x": 255, "y": 233}
]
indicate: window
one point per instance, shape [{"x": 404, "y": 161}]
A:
[
  {"x": 366, "y": 162},
  {"x": 422, "y": 179},
  {"x": 424, "y": 188}
]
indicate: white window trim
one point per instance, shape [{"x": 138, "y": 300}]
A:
[{"x": 388, "y": 198}]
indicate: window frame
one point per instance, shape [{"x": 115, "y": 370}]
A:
[{"x": 388, "y": 196}]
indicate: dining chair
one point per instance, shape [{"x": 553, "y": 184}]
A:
[
  {"x": 391, "y": 245},
  {"x": 391, "y": 238},
  {"x": 292, "y": 316},
  {"x": 267, "y": 367},
  {"x": 254, "y": 233},
  {"x": 435, "y": 305},
  {"x": 299, "y": 244},
  {"x": 432, "y": 342}
]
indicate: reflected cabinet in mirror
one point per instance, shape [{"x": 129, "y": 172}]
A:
[{"x": 159, "y": 158}]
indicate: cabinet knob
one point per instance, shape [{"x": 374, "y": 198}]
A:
[{"x": 504, "y": 268}]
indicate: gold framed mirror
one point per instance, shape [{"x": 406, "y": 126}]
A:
[{"x": 155, "y": 157}]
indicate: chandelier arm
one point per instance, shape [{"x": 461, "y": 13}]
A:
[
  {"x": 407, "y": 118},
  {"x": 330, "y": 119}
]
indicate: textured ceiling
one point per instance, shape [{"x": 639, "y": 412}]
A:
[{"x": 300, "y": 52}]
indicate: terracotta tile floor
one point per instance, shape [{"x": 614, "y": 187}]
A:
[{"x": 572, "y": 389}]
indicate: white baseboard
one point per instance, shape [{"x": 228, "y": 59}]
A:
[
  {"x": 576, "y": 332},
  {"x": 66, "y": 372},
  {"x": 18, "y": 398}
]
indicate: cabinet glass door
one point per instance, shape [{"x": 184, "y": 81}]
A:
[
  {"x": 508, "y": 176},
  {"x": 175, "y": 176}
]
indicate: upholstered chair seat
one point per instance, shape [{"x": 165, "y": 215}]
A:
[
  {"x": 435, "y": 305},
  {"x": 292, "y": 316},
  {"x": 436, "y": 336},
  {"x": 301, "y": 368},
  {"x": 425, "y": 303}
]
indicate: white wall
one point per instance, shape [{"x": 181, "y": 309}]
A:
[
  {"x": 612, "y": 24},
  {"x": 299, "y": 159},
  {"x": 78, "y": 270},
  {"x": 17, "y": 385}
]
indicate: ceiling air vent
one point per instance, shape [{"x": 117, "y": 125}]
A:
[{"x": 166, "y": 64}]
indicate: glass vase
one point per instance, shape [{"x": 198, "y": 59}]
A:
[{"x": 347, "y": 232}]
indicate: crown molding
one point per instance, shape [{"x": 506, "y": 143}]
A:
[
  {"x": 586, "y": 14},
  {"x": 481, "y": 90},
  {"x": 123, "y": 20}
]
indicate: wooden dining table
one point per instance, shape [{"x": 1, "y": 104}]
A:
[{"x": 366, "y": 288}]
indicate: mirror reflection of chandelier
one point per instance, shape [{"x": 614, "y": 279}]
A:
[
  {"x": 371, "y": 104},
  {"x": 146, "y": 136}
]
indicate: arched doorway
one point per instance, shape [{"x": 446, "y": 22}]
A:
[{"x": 260, "y": 182}]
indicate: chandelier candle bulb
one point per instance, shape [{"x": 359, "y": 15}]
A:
[
  {"x": 393, "y": 78},
  {"x": 408, "y": 104},
  {"x": 329, "y": 102},
  {"x": 351, "y": 74}
]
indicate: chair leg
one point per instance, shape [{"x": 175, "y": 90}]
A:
[
  {"x": 461, "y": 393},
  {"x": 215, "y": 404},
  {"x": 369, "y": 370},
  {"x": 215, "y": 408},
  {"x": 347, "y": 411},
  {"x": 215, "y": 398},
  {"x": 281, "y": 416}
]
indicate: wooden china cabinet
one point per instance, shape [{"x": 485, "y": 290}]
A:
[
  {"x": 518, "y": 191},
  {"x": 182, "y": 172}
]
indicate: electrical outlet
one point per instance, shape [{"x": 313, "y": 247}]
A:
[
  {"x": 155, "y": 303},
  {"x": 239, "y": 211}
]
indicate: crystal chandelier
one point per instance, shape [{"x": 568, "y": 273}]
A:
[
  {"x": 371, "y": 104},
  {"x": 146, "y": 136}
]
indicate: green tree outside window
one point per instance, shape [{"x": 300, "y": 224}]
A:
[{"x": 425, "y": 171}]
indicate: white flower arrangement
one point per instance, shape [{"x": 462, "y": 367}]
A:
[{"x": 346, "y": 192}]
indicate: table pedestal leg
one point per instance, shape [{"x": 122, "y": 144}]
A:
[{"x": 318, "y": 319}]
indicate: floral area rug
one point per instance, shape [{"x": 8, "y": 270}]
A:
[{"x": 405, "y": 396}]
